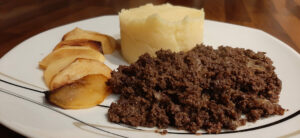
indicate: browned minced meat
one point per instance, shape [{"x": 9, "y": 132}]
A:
[{"x": 201, "y": 89}]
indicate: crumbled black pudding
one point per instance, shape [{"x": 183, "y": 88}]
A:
[{"x": 203, "y": 88}]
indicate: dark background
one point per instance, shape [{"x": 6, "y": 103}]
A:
[{"x": 21, "y": 19}]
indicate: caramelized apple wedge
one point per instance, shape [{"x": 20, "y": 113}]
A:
[
  {"x": 71, "y": 52},
  {"x": 78, "y": 69},
  {"x": 86, "y": 92},
  {"x": 55, "y": 68},
  {"x": 108, "y": 42},
  {"x": 96, "y": 45}
]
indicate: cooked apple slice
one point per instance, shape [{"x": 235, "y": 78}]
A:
[
  {"x": 96, "y": 45},
  {"x": 86, "y": 92},
  {"x": 78, "y": 69},
  {"x": 56, "y": 67},
  {"x": 71, "y": 52},
  {"x": 108, "y": 42}
]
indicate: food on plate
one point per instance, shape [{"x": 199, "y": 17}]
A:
[
  {"x": 56, "y": 67},
  {"x": 96, "y": 45},
  {"x": 78, "y": 69},
  {"x": 108, "y": 43},
  {"x": 71, "y": 52},
  {"x": 74, "y": 71},
  {"x": 149, "y": 28},
  {"x": 86, "y": 92},
  {"x": 204, "y": 88}
]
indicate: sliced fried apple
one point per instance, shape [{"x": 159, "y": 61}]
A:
[
  {"x": 56, "y": 67},
  {"x": 86, "y": 92},
  {"x": 96, "y": 45},
  {"x": 78, "y": 69},
  {"x": 108, "y": 42},
  {"x": 71, "y": 52}
]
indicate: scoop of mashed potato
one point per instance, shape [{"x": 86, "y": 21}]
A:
[{"x": 149, "y": 28}]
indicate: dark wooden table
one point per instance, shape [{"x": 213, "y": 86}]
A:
[{"x": 21, "y": 19}]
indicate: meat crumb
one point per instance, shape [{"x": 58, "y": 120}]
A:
[{"x": 163, "y": 132}]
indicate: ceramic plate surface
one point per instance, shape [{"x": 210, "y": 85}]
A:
[{"x": 24, "y": 109}]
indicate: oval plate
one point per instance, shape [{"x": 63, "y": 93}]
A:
[{"x": 23, "y": 107}]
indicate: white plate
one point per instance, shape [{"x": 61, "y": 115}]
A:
[{"x": 26, "y": 112}]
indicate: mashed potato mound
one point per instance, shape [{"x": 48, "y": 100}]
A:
[{"x": 149, "y": 28}]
